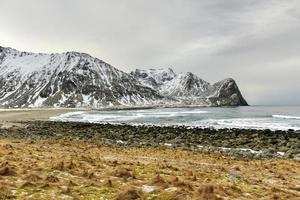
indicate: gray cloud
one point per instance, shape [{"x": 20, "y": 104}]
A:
[{"x": 256, "y": 42}]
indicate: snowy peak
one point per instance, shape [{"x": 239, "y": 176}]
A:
[
  {"x": 227, "y": 92},
  {"x": 74, "y": 79},
  {"x": 154, "y": 78},
  {"x": 171, "y": 84},
  {"x": 68, "y": 79},
  {"x": 190, "y": 89},
  {"x": 190, "y": 80}
]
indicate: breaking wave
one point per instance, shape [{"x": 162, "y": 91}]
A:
[
  {"x": 286, "y": 117},
  {"x": 243, "y": 118},
  {"x": 251, "y": 123}
]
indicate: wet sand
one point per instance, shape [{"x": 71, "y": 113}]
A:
[{"x": 10, "y": 117}]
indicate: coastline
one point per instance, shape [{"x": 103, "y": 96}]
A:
[
  {"x": 10, "y": 117},
  {"x": 73, "y": 160},
  {"x": 239, "y": 143}
]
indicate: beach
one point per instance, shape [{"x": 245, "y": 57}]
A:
[
  {"x": 40, "y": 159},
  {"x": 9, "y": 117}
]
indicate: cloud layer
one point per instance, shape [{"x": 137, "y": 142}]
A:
[{"x": 255, "y": 42}]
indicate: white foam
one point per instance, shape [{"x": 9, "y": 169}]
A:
[
  {"x": 179, "y": 117},
  {"x": 245, "y": 123},
  {"x": 65, "y": 116},
  {"x": 286, "y": 117},
  {"x": 92, "y": 117},
  {"x": 195, "y": 112},
  {"x": 262, "y": 123},
  {"x": 171, "y": 113}
]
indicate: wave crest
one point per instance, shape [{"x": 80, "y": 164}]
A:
[{"x": 285, "y": 117}]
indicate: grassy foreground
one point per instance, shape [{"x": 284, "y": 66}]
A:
[{"x": 77, "y": 170}]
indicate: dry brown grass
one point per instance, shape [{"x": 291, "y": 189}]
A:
[
  {"x": 130, "y": 193},
  {"x": 76, "y": 170}
]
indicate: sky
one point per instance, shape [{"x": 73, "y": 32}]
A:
[{"x": 253, "y": 41}]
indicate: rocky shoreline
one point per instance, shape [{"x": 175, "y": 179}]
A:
[{"x": 238, "y": 143}]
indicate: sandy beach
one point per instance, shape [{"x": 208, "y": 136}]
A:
[
  {"x": 14, "y": 115},
  {"x": 9, "y": 117}
]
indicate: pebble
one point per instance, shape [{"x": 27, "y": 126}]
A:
[{"x": 240, "y": 143}]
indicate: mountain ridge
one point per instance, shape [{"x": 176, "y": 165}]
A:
[
  {"x": 75, "y": 79},
  {"x": 187, "y": 84}
]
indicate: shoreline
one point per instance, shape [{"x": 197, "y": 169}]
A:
[
  {"x": 237, "y": 143},
  {"x": 41, "y": 159},
  {"x": 10, "y": 117},
  {"x": 123, "y": 107},
  {"x": 173, "y": 126}
]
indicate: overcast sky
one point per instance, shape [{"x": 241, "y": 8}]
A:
[{"x": 255, "y": 42}]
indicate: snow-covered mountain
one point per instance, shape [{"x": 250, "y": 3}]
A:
[
  {"x": 187, "y": 88},
  {"x": 75, "y": 79},
  {"x": 66, "y": 80}
]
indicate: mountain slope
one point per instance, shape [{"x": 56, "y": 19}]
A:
[
  {"x": 187, "y": 88},
  {"x": 75, "y": 79},
  {"x": 66, "y": 80}
]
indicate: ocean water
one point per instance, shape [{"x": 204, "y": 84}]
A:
[{"x": 252, "y": 117}]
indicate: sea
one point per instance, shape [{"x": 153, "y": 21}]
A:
[{"x": 246, "y": 117}]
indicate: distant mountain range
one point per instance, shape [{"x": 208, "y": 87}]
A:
[{"x": 75, "y": 79}]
